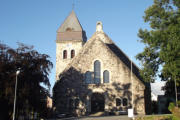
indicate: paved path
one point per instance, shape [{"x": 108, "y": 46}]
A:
[
  {"x": 107, "y": 118},
  {"x": 122, "y": 117}
]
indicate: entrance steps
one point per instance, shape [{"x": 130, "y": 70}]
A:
[{"x": 97, "y": 114}]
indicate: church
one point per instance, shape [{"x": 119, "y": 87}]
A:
[{"x": 95, "y": 75}]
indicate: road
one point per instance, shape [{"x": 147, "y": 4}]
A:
[{"x": 122, "y": 117}]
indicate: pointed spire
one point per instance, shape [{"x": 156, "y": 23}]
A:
[
  {"x": 71, "y": 23},
  {"x": 71, "y": 29}
]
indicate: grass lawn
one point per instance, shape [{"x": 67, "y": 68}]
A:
[{"x": 155, "y": 117}]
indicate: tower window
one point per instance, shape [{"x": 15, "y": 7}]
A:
[
  {"x": 65, "y": 54},
  {"x": 106, "y": 76},
  {"x": 72, "y": 53},
  {"x": 97, "y": 71}
]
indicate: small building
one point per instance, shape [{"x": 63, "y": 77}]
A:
[
  {"x": 95, "y": 75},
  {"x": 158, "y": 96}
]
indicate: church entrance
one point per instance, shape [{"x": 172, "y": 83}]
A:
[{"x": 97, "y": 102}]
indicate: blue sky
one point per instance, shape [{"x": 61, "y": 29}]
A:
[{"x": 34, "y": 22}]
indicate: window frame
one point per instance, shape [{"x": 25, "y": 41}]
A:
[
  {"x": 106, "y": 79},
  {"x": 88, "y": 74},
  {"x": 117, "y": 105},
  {"x": 97, "y": 72},
  {"x": 72, "y": 53},
  {"x": 123, "y": 101}
]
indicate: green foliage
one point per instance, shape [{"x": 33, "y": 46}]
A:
[
  {"x": 175, "y": 114},
  {"x": 178, "y": 102},
  {"x": 155, "y": 117},
  {"x": 175, "y": 111},
  {"x": 35, "y": 68},
  {"x": 161, "y": 55},
  {"x": 171, "y": 106}
]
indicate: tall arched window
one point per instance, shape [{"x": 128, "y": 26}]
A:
[
  {"x": 97, "y": 71},
  {"x": 106, "y": 76},
  {"x": 88, "y": 78},
  {"x": 72, "y": 53},
  {"x": 65, "y": 54}
]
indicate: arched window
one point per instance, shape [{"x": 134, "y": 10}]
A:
[
  {"x": 125, "y": 102},
  {"x": 65, "y": 54},
  {"x": 118, "y": 102},
  {"x": 72, "y": 53},
  {"x": 88, "y": 78},
  {"x": 106, "y": 76},
  {"x": 97, "y": 71}
]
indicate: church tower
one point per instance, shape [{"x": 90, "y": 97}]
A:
[{"x": 69, "y": 40}]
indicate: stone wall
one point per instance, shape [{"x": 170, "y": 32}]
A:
[
  {"x": 118, "y": 87},
  {"x": 60, "y": 47}
]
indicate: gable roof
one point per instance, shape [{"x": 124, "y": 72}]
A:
[
  {"x": 70, "y": 22},
  {"x": 120, "y": 54},
  {"x": 125, "y": 59},
  {"x": 109, "y": 44}
]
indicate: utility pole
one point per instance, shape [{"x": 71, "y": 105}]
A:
[{"x": 132, "y": 83}]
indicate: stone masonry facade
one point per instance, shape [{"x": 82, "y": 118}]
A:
[{"x": 122, "y": 88}]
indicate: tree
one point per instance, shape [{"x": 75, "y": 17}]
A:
[
  {"x": 35, "y": 68},
  {"x": 161, "y": 55}
]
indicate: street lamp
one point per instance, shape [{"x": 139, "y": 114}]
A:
[
  {"x": 175, "y": 90},
  {"x": 14, "y": 110}
]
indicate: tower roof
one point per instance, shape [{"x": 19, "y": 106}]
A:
[{"x": 71, "y": 23}]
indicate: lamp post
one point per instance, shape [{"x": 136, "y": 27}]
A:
[
  {"x": 14, "y": 110},
  {"x": 175, "y": 91},
  {"x": 131, "y": 111}
]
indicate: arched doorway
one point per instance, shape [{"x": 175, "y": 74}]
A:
[{"x": 97, "y": 102}]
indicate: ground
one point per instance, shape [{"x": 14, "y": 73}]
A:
[{"x": 124, "y": 117}]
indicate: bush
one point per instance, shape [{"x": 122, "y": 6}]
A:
[
  {"x": 171, "y": 106},
  {"x": 175, "y": 111},
  {"x": 178, "y": 102}
]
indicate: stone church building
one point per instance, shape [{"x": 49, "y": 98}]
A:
[{"x": 95, "y": 75}]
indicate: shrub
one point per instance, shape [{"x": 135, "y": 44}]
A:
[
  {"x": 171, "y": 106},
  {"x": 175, "y": 111}
]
